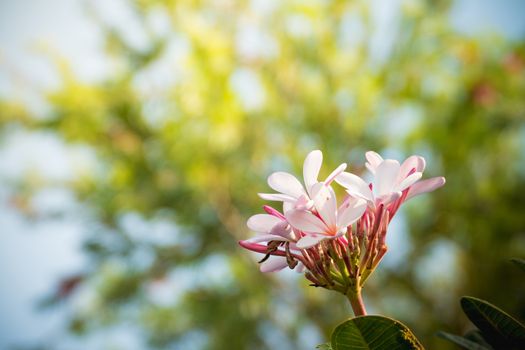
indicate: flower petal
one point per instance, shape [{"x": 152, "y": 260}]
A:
[
  {"x": 325, "y": 203},
  {"x": 262, "y": 222},
  {"x": 390, "y": 197},
  {"x": 287, "y": 206},
  {"x": 274, "y": 263},
  {"x": 335, "y": 173},
  {"x": 305, "y": 221},
  {"x": 412, "y": 162},
  {"x": 282, "y": 229},
  {"x": 276, "y": 197},
  {"x": 355, "y": 186},
  {"x": 311, "y": 167},
  {"x": 304, "y": 203},
  {"x": 373, "y": 161},
  {"x": 273, "y": 211},
  {"x": 300, "y": 268},
  {"x": 265, "y": 238},
  {"x": 294, "y": 249},
  {"x": 408, "y": 181},
  {"x": 350, "y": 212},
  {"x": 286, "y": 183},
  {"x": 309, "y": 241},
  {"x": 385, "y": 177},
  {"x": 424, "y": 186}
]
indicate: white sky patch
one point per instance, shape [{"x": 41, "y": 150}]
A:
[
  {"x": 212, "y": 271},
  {"x": 192, "y": 340},
  {"x": 159, "y": 21},
  {"x": 165, "y": 291},
  {"x": 401, "y": 122},
  {"x": 161, "y": 75},
  {"x": 345, "y": 100},
  {"x": 352, "y": 31},
  {"x": 254, "y": 43},
  {"x": 398, "y": 242},
  {"x": 32, "y": 258},
  {"x": 441, "y": 261},
  {"x": 309, "y": 335},
  {"x": 264, "y": 7},
  {"x": 385, "y": 17},
  {"x": 156, "y": 231},
  {"x": 42, "y": 154},
  {"x": 274, "y": 337},
  {"x": 35, "y": 255},
  {"x": 504, "y": 17},
  {"x": 121, "y": 337},
  {"x": 299, "y": 26},
  {"x": 119, "y": 14},
  {"x": 53, "y": 200},
  {"x": 440, "y": 270},
  {"x": 62, "y": 26},
  {"x": 248, "y": 88}
]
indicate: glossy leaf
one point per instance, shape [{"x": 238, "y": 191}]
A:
[
  {"x": 498, "y": 328},
  {"x": 519, "y": 262},
  {"x": 476, "y": 336},
  {"x": 375, "y": 333},
  {"x": 463, "y": 342}
]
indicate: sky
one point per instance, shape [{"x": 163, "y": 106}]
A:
[{"x": 33, "y": 257}]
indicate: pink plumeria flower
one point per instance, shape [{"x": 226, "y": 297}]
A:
[
  {"x": 330, "y": 221},
  {"x": 308, "y": 237},
  {"x": 390, "y": 180},
  {"x": 291, "y": 191},
  {"x": 273, "y": 227}
]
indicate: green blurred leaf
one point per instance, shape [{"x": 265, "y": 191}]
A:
[
  {"x": 325, "y": 346},
  {"x": 463, "y": 342},
  {"x": 476, "y": 336},
  {"x": 373, "y": 332},
  {"x": 519, "y": 262},
  {"x": 498, "y": 328}
]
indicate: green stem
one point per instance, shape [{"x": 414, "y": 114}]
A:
[
  {"x": 357, "y": 302},
  {"x": 365, "y": 276}
]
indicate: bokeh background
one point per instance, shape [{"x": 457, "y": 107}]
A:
[{"x": 135, "y": 135}]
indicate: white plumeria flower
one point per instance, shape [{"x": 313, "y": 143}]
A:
[
  {"x": 390, "y": 179},
  {"x": 331, "y": 222},
  {"x": 291, "y": 191}
]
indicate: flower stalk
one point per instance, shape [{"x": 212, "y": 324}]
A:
[{"x": 356, "y": 301}]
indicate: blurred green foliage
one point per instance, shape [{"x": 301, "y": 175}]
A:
[
  {"x": 187, "y": 127},
  {"x": 495, "y": 328}
]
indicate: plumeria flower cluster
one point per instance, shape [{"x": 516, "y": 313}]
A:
[{"x": 336, "y": 246}]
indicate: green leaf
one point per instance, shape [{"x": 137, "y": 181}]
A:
[
  {"x": 374, "y": 333},
  {"x": 476, "y": 336},
  {"x": 463, "y": 342},
  {"x": 498, "y": 328},
  {"x": 325, "y": 346},
  {"x": 519, "y": 262}
]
